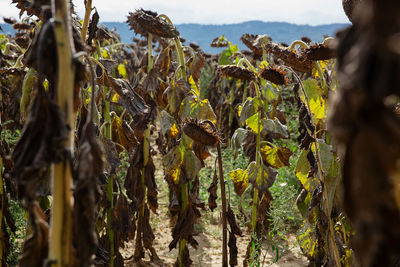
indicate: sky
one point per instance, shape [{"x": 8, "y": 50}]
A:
[{"x": 312, "y": 12}]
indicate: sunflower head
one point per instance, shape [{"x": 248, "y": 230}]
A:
[
  {"x": 200, "y": 132},
  {"x": 145, "y": 21}
]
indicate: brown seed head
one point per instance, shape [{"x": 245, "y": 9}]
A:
[
  {"x": 237, "y": 72},
  {"x": 200, "y": 132},
  {"x": 145, "y": 21},
  {"x": 219, "y": 42},
  {"x": 275, "y": 75},
  {"x": 319, "y": 52}
]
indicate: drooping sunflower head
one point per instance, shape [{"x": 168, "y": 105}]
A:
[
  {"x": 237, "y": 72},
  {"x": 146, "y": 21},
  {"x": 274, "y": 75},
  {"x": 200, "y": 131}
]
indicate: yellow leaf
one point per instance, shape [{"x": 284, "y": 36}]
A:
[
  {"x": 316, "y": 99},
  {"x": 252, "y": 122},
  {"x": 240, "y": 180},
  {"x": 122, "y": 70},
  {"x": 277, "y": 157}
]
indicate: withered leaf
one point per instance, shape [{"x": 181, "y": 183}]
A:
[
  {"x": 151, "y": 185},
  {"x": 87, "y": 194},
  {"x": 112, "y": 159},
  {"x": 195, "y": 68},
  {"x": 230, "y": 215},
  {"x": 122, "y": 221},
  {"x": 131, "y": 100},
  {"x": 233, "y": 250},
  {"x": 185, "y": 226},
  {"x": 40, "y": 145},
  {"x": 34, "y": 250},
  {"x": 212, "y": 190},
  {"x": 92, "y": 29}
]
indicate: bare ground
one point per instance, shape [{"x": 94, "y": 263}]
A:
[{"x": 209, "y": 237}]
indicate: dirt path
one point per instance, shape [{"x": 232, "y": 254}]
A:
[{"x": 209, "y": 237}]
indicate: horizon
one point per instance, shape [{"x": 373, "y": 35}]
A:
[{"x": 208, "y": 12}]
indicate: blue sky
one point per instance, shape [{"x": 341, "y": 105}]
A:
[{"x": 313, "y": 12}]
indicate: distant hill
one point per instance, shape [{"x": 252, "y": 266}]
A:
[{"x": 203, "y": 34}]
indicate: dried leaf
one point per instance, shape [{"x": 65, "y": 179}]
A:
[
  {"x": 212, "y": 190},
  {"x": 230, "y": 215},
  {"x": 35, "y": 248},
  {"x": 233, "y": 250}
]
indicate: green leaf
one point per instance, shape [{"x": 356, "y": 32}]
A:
[
  {"x": 192, "y": 164},
  {"x": 224, "y": 59},
  {"x": 240, "y": 180},
  {"x": 277, "y": 157},
  {"x": 326, "y": 154},
  {"x": 274, "y": 127},
  {"x": 237, "y": 140}
]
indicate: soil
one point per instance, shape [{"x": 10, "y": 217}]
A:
[{"x": 209, "y": 236}]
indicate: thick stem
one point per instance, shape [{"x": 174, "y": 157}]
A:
[
  {"x": 110, "y": 184},
  {"x": 299, "y": 43},
  {"x": 182, "y": 242},
  {"x": 223, "y": 200},
  {"x": 181, "y": 57},
  {"x": 88, "y": 10},
  {"x": 61, "y": 221},
  {"x": 150, "y": 55},
  {"x": 255, "y": 194}
]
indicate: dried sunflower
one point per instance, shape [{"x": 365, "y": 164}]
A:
[
  {"x": 200, "y": 132},
  {"x": 145, "y": 21},
  {"x": 275, "y": 75},
  {"x": 237, "y": 72},
  {"x": 320, "y": 52}
]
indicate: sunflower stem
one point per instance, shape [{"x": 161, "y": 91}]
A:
[
  {"x": 223, "y": 200},
  {"x": 150, "y": 55},
  {"x": 110, "y": 184},
  {"x": 255, "y": 194},
  {"x": 61, "y": 212},
  {"x": 88, "y": 10},
  {"x": 182, "y": 242}
]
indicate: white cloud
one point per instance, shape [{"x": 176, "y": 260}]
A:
[{"x": 312, "y": 12}]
